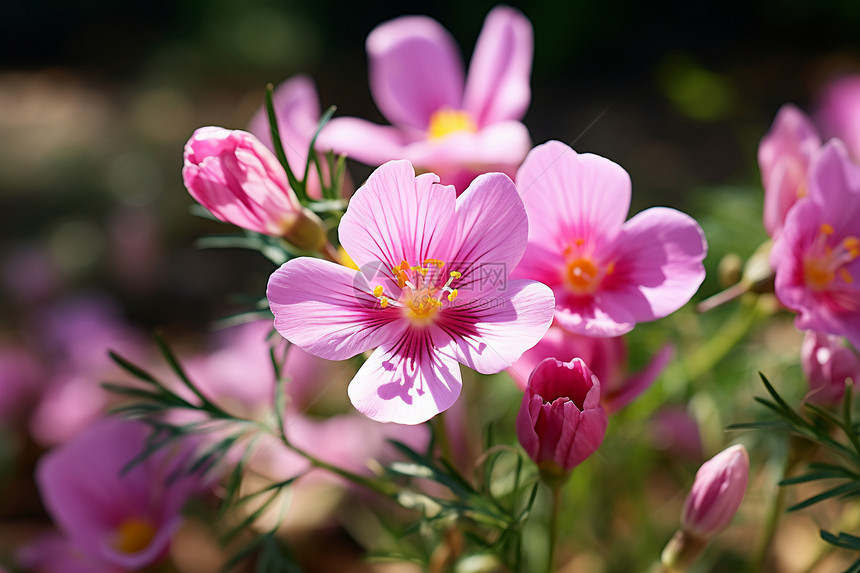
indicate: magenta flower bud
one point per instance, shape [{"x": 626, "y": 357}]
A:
[
  {"x": 716, "y": 494},
  {"x": 828, "y": 365},
  {"x": 240, "y": 181},
  {"x": 561, "y": 421}
]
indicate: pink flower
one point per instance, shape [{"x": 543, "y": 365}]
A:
[
  {"x": 839, "y": 112},
  {"x": 298, "y": 111},
  {"x": 783, "y": 157},
  {"x": 125, "y": 520},
  {"x": 815, "y": 258},
  {"x": 433, "y": 291},
  {"x": 607, "y": 275},
  {"x": 561, "y": 421},
  {"x": 240, "y": 181},
  {"x": 717, "y": 493},
  {"x": 828, "y": 365},
  {"x": 442, "y": 122},
  {"x": 605, "y": 357},
  {"x": 20, "y": 383}
]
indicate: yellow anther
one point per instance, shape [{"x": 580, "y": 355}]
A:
[
  {"x": 579, "y": 242},
  {"x": 377, "y": 291},
  {"x": 826, "y": 229},
  {"x": 456, "y": 274},
  {"x": 421, "y": 270},
  {"x": 452, "y": 295},
  {"x": 447, "y": 121},
  {"x": 846, "y": 276},
  {"x": 439, "y": 264},
  {"x": 610, "y": 268},
  {"x": 383, "y": 301}
]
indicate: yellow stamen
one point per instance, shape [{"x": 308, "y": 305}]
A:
[
  {"x": 452, "y": 295},
  {"x": 439, "y": 264},
  {"x": 383, "y": 301},
  {"x": 134, "y": 535},
  {"x": 456, "y": 274},
  {"x": 446, "y": 121},
  {"x": 377, "y": 291},
  {"x": 853, "y": 245},
  {"x": 583, "y": 275},
  {"x": 846, "y": 276},
  {"x": 826, "y": 229}
]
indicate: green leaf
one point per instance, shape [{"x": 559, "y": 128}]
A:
[
  {"x": 278, "y": 144},
  {"x": 847, "y": 489}
]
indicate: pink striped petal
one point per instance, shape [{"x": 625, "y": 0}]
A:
[
  {"x": 397, "y": 216},
  {"x": 406, "y": 387},
  {"x": 571, "y": 196},
  {"x": 490, "y": 334},
  {"x": 490, "y": 236},
  {"x": 415, "y": 70},
  {"x": 497, "y": 87},
  {"x": 329, "y": 310}
]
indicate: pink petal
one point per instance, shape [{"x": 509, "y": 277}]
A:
[
  {"x": 659, "y": 266},
  {"x": 329, "y": 310},
  {"x": 406, "y": 388},
  {"x": 362, "y": 140},
  {"x": 834, "y": 185},
  {"x": 415, "y": 70},
  {"x": 492, "y": 335},
  {"x": 571, "y": 196},
  {"x": 489, "y": 236},
  {"x": 498, "y": 147},
  {"x": 605, "y": 315},
  {"x": 396, "y": 216},
  {"x": 497, "y": 87}
]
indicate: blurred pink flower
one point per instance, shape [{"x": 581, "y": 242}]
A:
[
  {"x": 402, "y": 231},
  {"x": 441, "y": 122},
  {"x": 241, "y": 182},
  {"x": 76, "y": 334},
  {"x": 674, "y": 430},
  {"x": 828, "y": 365},
  {"x": 839, "y": 112},
  {"x": 605, "y": 358},
  {"x": 607, "y": 274},
  {"x": 716, "y": 494},
  {"x": 123, "y": 519},
  {"x": 54, "y": 553},
  {"x": 783, "y": 157},
  {"x": 561, "y": 421},
  {"x": 815, "y": 258},
  {"x": 21, "y": 382}
]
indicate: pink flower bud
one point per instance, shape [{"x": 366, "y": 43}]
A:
[
  {"x": 716, "y": 494},
  {"x": 828, "y": 365},
  {"x": 240, "y": 181},
  {"x": 561, "y": 421}
]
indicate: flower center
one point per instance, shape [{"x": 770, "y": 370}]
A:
[
  {"x": 823, "y": 263},
  {"x": 422, "y": 290},
  {"x": 134, "y": 535},
  {"x": 446, "y": 121},
  {"x": 584, "y": 272}
]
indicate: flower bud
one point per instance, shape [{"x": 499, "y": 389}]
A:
[
  {"x": 240, "y": 181},
  {"x": 828, "y": 365},
  {"x": 717, "y": 492},
  {"x": 561, "y": 421}
]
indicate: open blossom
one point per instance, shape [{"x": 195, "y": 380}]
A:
[
  {"x": 233, "y": 175},
  {"x": 839, "y": 112},
  {"x": 605, "y": 357},
  {"x": 607, "y": 274},
  {"x": 717, "y": 493},
  {"x": 828, "y": 365},
  {"x": 122, "y": 519},
  {"x": 54, "y": 553},
  {"x": 455, "y": 126},
  {"x": 433, "y": 290},
  {"x": 815, "y": 258},
  {"x": 783, "y": 157},
  {"x": 561, "y": 421}
]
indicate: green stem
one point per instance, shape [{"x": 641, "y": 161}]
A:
[
  {"x": 715, "y": 348},
  {"x": 774, "y": 514},
  {"x": 384, "y": 488},
  {"x": 555, "y": 512},
  {"x": 440, "y": 433}
]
